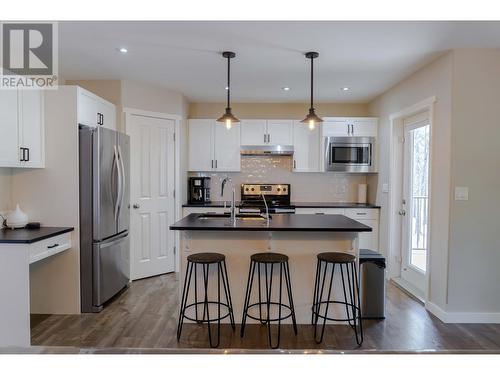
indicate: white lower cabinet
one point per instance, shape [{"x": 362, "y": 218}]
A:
[{"x": 366, "y": 216}]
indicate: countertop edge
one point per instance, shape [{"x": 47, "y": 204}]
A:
[
  {"x": 269, "y": 229},
  {"x": 37, "y": 239}
]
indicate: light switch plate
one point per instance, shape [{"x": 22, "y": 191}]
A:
[
  {"x": 461, "y": 193},
  {"x": 385, "y": 188}
]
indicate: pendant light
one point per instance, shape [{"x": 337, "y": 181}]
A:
[
  {"x": 312, "y": 118},
  {"x": 228, "y": 118}
]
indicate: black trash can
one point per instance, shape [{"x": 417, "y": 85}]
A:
[{"x": 372, "y": 284}]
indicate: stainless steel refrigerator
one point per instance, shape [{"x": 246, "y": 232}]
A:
[{"x": 104, "y": 215}]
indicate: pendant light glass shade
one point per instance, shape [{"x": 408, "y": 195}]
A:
[
  {"x": 228, "y": 118},
  {"x": 312, "y": 118}
]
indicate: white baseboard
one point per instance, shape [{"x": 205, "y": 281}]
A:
[{"x": 462, "y": 317}]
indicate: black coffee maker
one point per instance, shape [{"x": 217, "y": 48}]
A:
[{"x": 199, "y": 190}]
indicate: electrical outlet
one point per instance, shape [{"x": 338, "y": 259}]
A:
[{"x": 385, "y": 188}]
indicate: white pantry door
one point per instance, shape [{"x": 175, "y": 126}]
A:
[{"x": 152, "y": 200}]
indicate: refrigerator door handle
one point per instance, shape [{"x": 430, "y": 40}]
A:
[
  {"x": 122, "y": 180},
  {"x": 117, "y": 205}
]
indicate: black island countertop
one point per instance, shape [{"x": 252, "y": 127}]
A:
[
  {"x": 219, "y": 204},
  {"x": 28, "y": 236},
  {"x": 285, "y": 223}
]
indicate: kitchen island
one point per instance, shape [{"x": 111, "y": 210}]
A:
[{"x": 301, "y": 237}]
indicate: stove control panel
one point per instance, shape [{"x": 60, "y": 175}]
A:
[{"x": 266, "y": 189}]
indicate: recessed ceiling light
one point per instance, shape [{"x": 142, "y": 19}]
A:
[
  {"x": 122, "y": 50},
  {"x": 345, "y": 88},
  {"x": 227, "y": 87},
  {"x": 286, "y": 88}
]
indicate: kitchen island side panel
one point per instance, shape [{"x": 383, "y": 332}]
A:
[{"x": 238, "y": 246}]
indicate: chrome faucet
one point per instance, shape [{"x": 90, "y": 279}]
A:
[
  {"x": 233, "y": 205},
  {"x": 267, "y": 208}
]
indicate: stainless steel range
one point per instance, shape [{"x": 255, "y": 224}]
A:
[{"x": 254, "y": 198}]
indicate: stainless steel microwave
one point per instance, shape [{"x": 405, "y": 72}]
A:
[{"x": 350, "y": 154}]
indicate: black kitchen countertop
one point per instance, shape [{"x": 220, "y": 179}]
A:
[
  {"x": 290, "y": 223},
  {"x": 28, "y": 236},
  {"x": 296, "y": 204}
]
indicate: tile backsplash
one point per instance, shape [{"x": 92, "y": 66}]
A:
[{"x": 305, "y": 187}]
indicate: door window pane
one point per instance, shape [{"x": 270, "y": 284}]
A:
[{"x": 419, "y": 196}]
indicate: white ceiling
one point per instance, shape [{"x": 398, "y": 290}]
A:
[{"x": 368, "y": 57}]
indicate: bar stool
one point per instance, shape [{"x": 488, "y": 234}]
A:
[
  {"x": 205, "y": 260},
  {"x": 352, "y": 305},
  {"x": 268, "y": 261}
]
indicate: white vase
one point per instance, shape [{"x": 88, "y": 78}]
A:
[{"x": 17, "y": 218}]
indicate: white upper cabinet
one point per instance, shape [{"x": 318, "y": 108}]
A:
[
  {"x": 266, "y": 132},
  {"x": 95, "y": 111},
  {"x": 253, "y": 132},
  {"x": 213, "y": 147},
  {"x": 364, "y": 127},
  {"x": 201, "y": 143},
  {"x": 350, "y": 127},
  {"x": 227, "y": 148},
  {"x": 9, "y": 129},
  {"x": 307, "y": 148},
  {"x": 279, "y": 132},
  {"x": 21, "y": 129},
  {"x": 32, "y": 129}
]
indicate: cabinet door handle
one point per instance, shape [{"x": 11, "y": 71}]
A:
[
  {"x": 212, "y": 164},
  {"x": 265, "y": 138},
  {"x": 22, "y": 154},
  {"x": 215, "y": 163},
  {"x": 294, "y": 164},
  {"x": 269, "y": 138},
  {"x": 52, "y": 246},
  {"x": 102, "y": 119},
  {"x": 361, "y": 213},
  {"x": 28, "y": 153}
]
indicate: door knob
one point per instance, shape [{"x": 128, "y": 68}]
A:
[
  {"x": 402, "y": 212},
  {"x": 136, "y": 206}
]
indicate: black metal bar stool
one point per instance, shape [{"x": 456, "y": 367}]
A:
[
  {"x": 268, "y": 261},
  {"x": 205, "y": 260},
  {"x": 347, "y": 263}
]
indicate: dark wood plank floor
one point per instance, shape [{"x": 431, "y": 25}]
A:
[{"x": 145, "y": 316}]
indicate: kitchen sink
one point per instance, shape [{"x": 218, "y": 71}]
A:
[{"x": 225, "y": 216}]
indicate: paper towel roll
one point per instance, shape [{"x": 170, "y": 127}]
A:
[{"x": 362, "y": 193}]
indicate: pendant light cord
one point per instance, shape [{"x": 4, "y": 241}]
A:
[
  {"x": 228, "y": 81},
  {"x": 312, "y": 80}
]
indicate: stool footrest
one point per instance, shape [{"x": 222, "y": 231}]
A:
[{"x": 264, "y": 305}]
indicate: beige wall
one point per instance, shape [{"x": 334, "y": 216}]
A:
[
  {"x": 474, "y": 275},
  {"x": 276, "y": 110},
  {"x": 434, "y": 79},
  {"x": 153, "y": 98}
]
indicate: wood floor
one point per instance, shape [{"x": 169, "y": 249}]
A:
[{"x": 145, "y": 317}]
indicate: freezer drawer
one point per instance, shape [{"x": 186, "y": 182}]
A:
[{"x": 111, "y": 268}]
